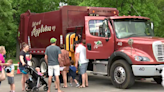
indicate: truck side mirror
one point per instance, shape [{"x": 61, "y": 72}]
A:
[{"x": 152, "y": 26}]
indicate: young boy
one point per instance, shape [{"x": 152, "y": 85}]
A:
[
  {"x": 72, "y": 73},
  {"x": 10, "y": 75}
]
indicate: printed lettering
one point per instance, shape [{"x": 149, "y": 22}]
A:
[{"x": 37, "y": 31}]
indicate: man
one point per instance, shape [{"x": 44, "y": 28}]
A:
[
  {"x": 52, "y": 54},
  {"x": 80, "y": 55}
]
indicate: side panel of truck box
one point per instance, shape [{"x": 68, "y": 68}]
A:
[
  {"x": 42, "y": 27},
  {"x": 73, "y": 17}
]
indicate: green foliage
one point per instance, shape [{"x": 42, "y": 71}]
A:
[
  {"x": 146, "y": 8},
  {"x": 8, "y": 29}
]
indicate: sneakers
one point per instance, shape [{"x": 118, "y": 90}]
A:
[
  {"x": 77, "y": 85},
  {"x": 71, "y": 84}
]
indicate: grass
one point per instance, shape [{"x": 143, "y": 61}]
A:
[{"x": 14, "y": 61}]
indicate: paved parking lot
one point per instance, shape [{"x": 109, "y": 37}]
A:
[{"x": 96, "y": 84}]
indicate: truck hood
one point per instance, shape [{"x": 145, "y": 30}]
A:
[
  {"x": 147, "y": 39},
  {"x": 142, "y": 40},
  {"x": 142, "y": 45}
]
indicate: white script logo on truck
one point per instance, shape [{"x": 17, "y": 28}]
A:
[{"x": 36, "y": 32}]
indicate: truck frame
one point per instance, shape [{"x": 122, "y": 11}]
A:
[{"x": 122, "y": 47}]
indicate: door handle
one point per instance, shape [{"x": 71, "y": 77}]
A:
[{"x": 89, "y": 46}]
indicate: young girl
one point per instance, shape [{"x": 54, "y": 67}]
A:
[
  {"x": 72, "y": 73},
  {"x": 38, "y": 70}
]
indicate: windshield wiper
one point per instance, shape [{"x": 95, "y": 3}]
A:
[{"x": 131, "y": 35}]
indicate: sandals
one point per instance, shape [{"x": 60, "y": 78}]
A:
[
  {"x": 64, "y": 87},
  {"x": 81, "y": 86}
]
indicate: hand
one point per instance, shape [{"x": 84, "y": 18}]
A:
[
  {"x": 23, "y": 63},
  {"x": 76, "y": 66}
]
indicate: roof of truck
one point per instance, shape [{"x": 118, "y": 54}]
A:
[{"x": 128, "y": 17}]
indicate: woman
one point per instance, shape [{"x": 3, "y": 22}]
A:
[
  {"x": 2, "y": 60},
  {"x": 23, "y": 63},
  {"x": 64, "y": 62}
]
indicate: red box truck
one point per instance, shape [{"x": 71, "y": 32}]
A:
[{"x": 123, "y": 47}]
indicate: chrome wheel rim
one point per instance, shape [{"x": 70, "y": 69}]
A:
[
  {"x": 119, "y": 74},
  {"x": 43, "y": 67}
]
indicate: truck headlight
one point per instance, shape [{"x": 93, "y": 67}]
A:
[{"x": 141, "y": 58}]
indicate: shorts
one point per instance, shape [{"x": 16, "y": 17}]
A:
[
  {"x": 22, "y": 70},
  {"x": 55, "y": 69},
  {"x": 72, "y": 74},
  {"x": 83, "y": 68},
  {"x": 10, "y": 80}
]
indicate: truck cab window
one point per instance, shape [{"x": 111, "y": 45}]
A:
[
  {"x": 95, "y": 26},
  {"x": 99, "y": 28},
  {"x": 105, "y": 29}
]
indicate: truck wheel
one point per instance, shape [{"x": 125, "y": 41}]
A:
[
  {"x": 158, "y": 80},
  {"x": 121, "y": 74},
  {"x": 34, "y": 62},
  {"x": 43, "y": 66}
]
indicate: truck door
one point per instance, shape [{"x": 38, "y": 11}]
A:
[{"x": 99, "y": 37}]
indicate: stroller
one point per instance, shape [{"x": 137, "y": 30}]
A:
[{"x": 35, "y": 82}]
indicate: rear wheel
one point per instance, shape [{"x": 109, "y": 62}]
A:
[
  {"x": 121, "y": 74},
  {"x": 43, "y": 66},
  {"x": 34, "y": 62},
  {"x": 158, "y": 80}
]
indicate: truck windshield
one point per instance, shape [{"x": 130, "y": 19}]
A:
[{"x": 132, "y": 28}]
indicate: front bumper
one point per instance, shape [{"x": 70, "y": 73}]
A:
[{"x": 147, "y": 70}]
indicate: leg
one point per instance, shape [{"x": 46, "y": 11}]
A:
[
  {"x": 50, "y": 73},
  {"x": 64, "y": 73},
  {"x": 55, "y": 85},
  {"x": 86, "y": 79},
  {"x": 70, "y": 80},
  {"x": 23, "y": 82},
  {"x": 83, "y": 80},
  {"x": 49, "y": 83},
  {"x": 13, "y": 87},
  {"x": 76, "y": 81},
  {"x": 83, "y": 71},
  {"x": 57, "y": 73}
]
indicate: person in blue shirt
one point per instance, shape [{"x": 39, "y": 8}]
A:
[{"x": 72, "y": 74}]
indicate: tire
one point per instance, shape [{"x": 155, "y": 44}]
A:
[
  {"x": 158, "y": 80},
  {"x": 127, "y": 77},
  {"x": 43, "y": 66},
  {"x": 27, "y": 89},
  {"x": 35, "y": 62},
  {"x": 45, "y": 88}
]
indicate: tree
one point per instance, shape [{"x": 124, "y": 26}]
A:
[{"x": 7, "y": 25}]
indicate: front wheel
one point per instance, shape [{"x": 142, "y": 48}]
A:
[
  {"x": 158, "y": 80},
  {"x": 43, "y": 66},
  {"x": 121, "y": 74}
]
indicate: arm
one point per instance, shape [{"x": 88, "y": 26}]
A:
[
  {"x": 12, "y": 71},
  {"x": 22, "y": 60},
  {"x": 30, "y": 56},
  {"x": 77, "y": 59},
  {"x": 4, "y": 64},
  {"x": 46, "y": 58},
  {"x": 77, "y": 54}
]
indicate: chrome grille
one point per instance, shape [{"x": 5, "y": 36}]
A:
[{"x": 160, "y": 52}]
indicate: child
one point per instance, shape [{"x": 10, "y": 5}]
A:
[
  {"x": 10, "y": 75},
  {"x": 72, "y": 73},
  {"x": 38, "y": 70}
]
